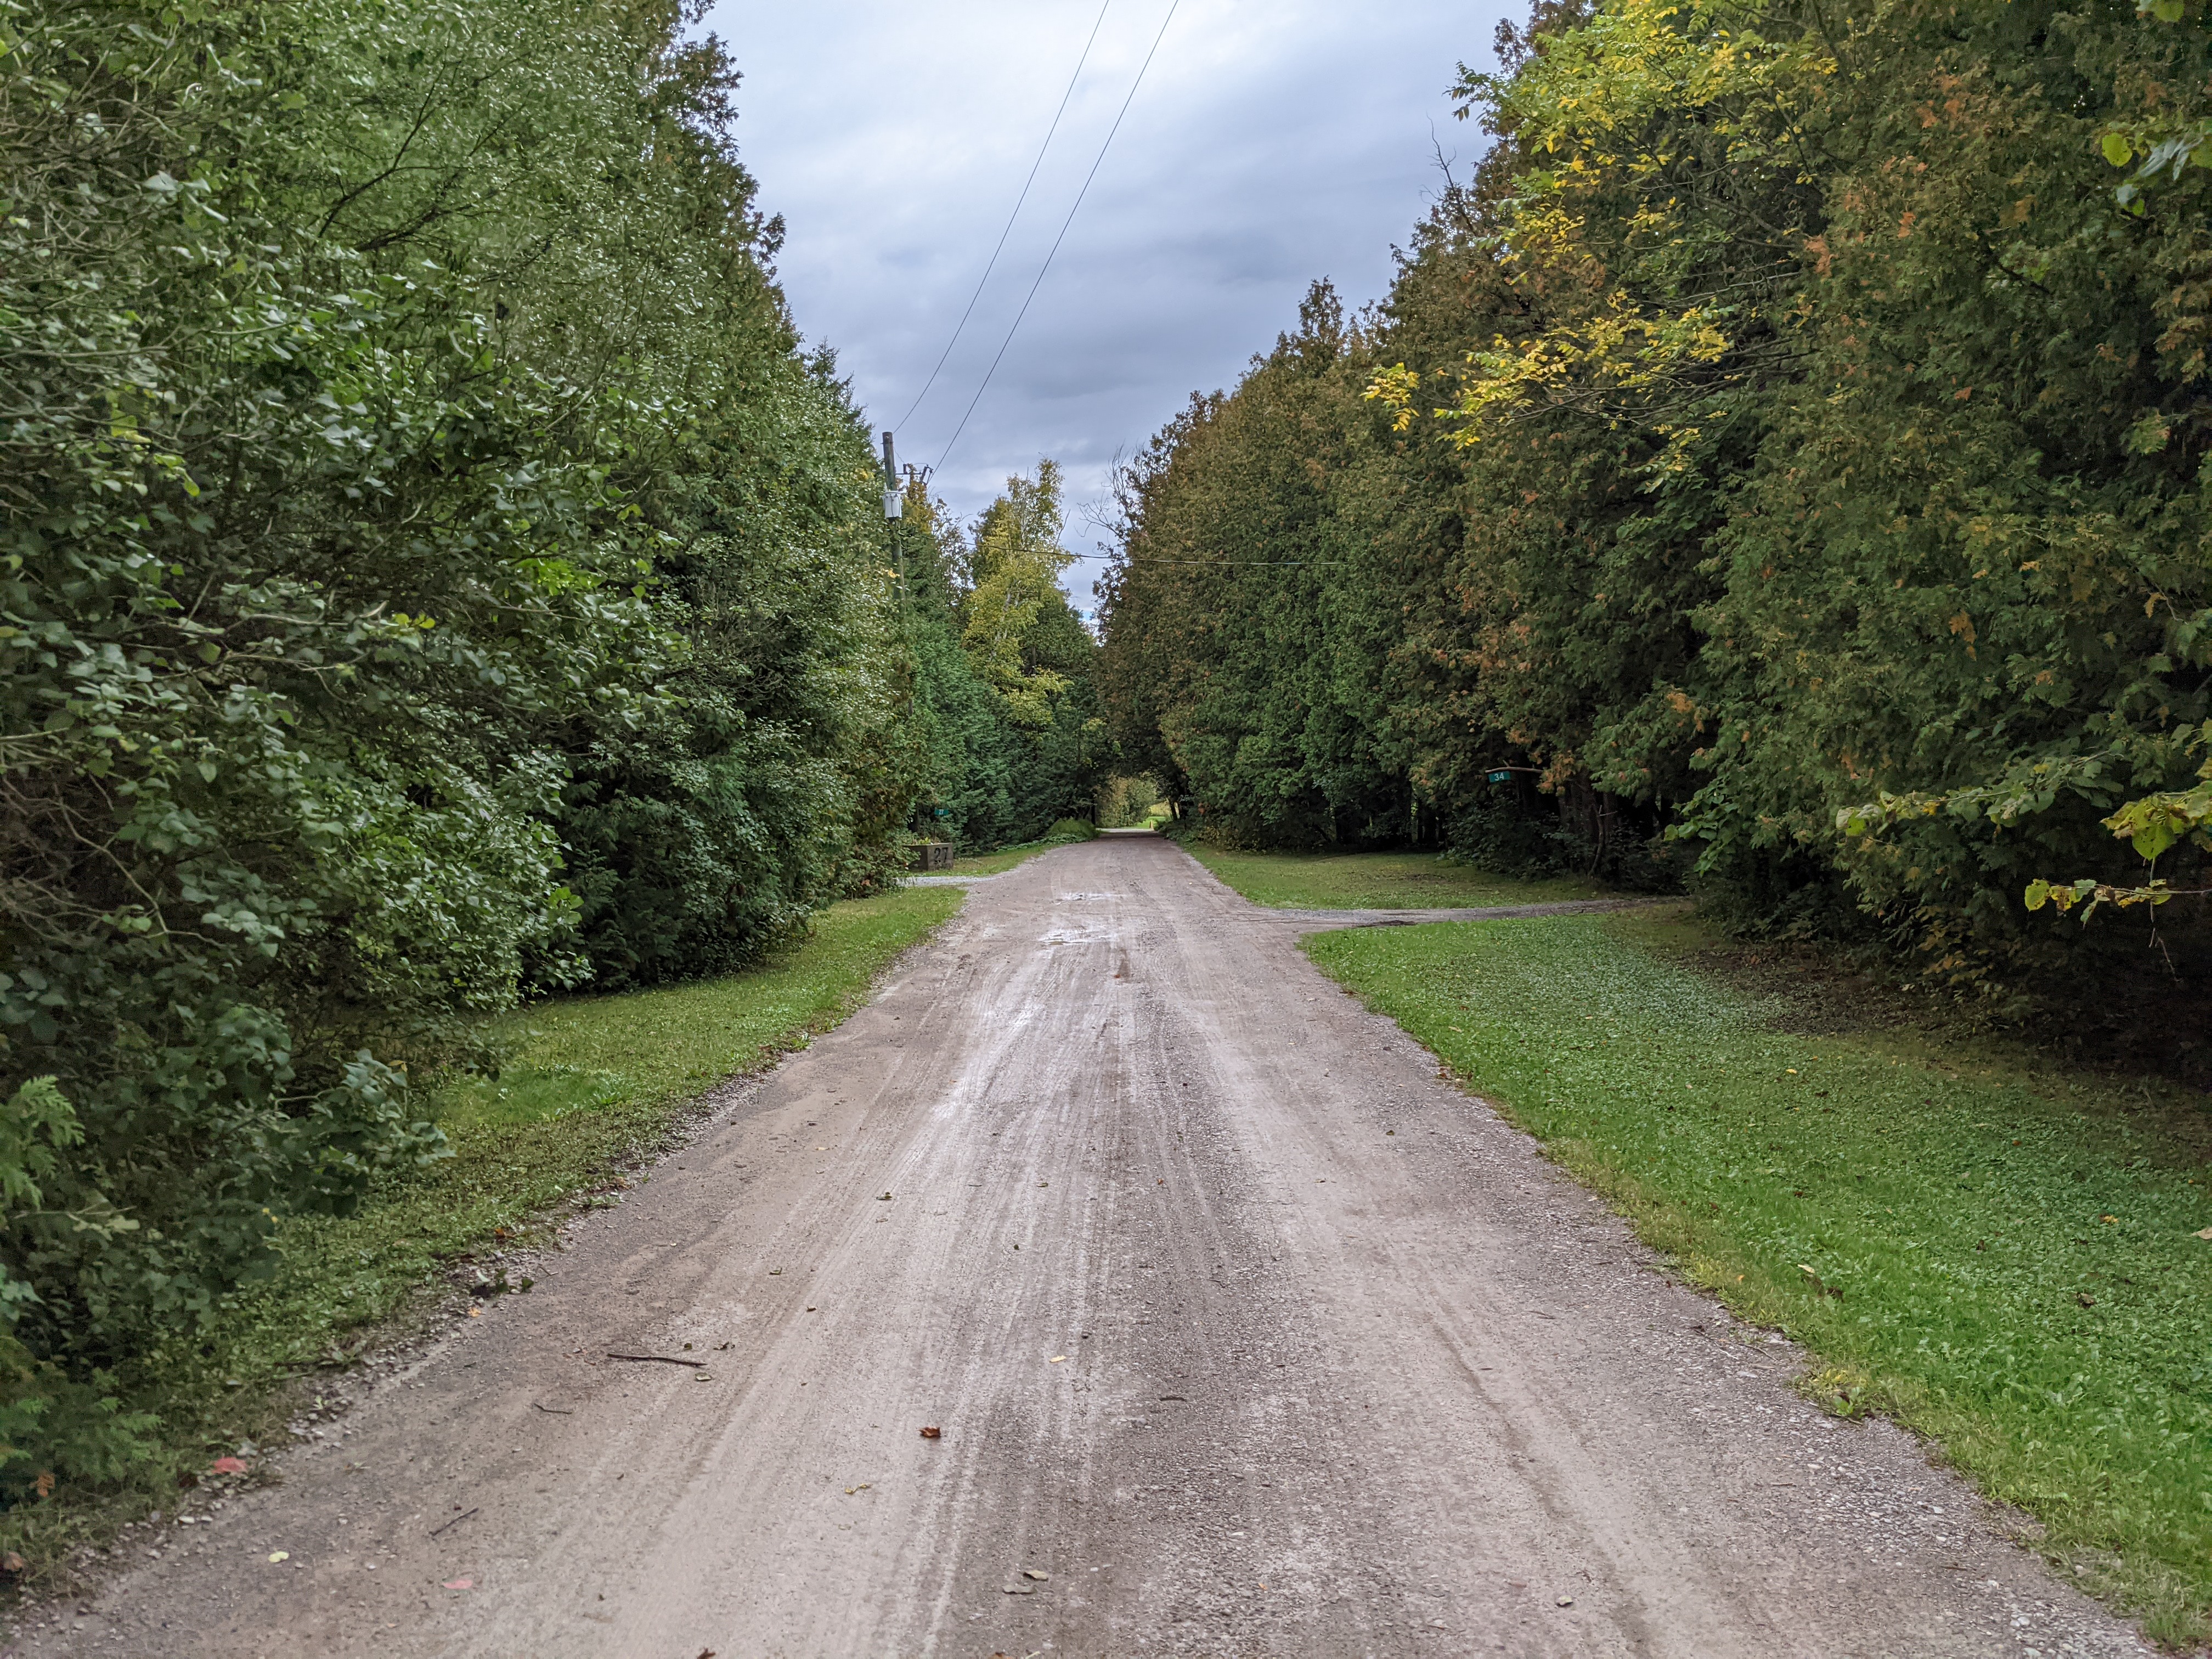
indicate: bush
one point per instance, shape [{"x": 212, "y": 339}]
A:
[{"x": 417, "y": 583}]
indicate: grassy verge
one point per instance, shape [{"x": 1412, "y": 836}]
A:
[
  {"x": 1999, "y": 1253},
  {"x": 593, "y": 1081},
  {"x": 1067, "y": 830},
  {"x": 1378, "y": 881}
]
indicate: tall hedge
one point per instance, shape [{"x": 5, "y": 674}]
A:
[
  {"x": 430, "y": 572},
  {"x": 1781, "y": 465}
]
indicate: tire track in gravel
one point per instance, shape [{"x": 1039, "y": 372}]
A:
[{"x": 1242, "y": 1328}]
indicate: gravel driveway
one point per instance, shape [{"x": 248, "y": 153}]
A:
[{"x": 1245, "y": 1336}]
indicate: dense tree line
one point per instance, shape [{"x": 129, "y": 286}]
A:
[
  {"x": 1781, "y": 465},
  {"x": 432, "y": 574},
  {"x": 1008, "y": 713}
]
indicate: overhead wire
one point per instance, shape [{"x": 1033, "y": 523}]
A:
[
  {"x": 1247, "y": 564},
  {"x": 992, "y": 263},
  {"x": 1063, "y": 237}
]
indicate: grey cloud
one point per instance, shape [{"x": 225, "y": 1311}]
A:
[{"x": 1269, "y": 145}]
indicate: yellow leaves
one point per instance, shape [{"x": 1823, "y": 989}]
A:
[
  {"x": 1014, "y": 566},
  {"x": 1963, "y": 625},
  {"x": 1394, "y": 389},
  {"x": 2154, "y": 822},
  {"x": 2150, "y": 825},
  {"x": 1615, "y": 356}
]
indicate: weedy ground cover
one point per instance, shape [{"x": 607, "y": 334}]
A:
[
  {"x": 1378, "y": 881},
  {"x": 1997, "y": 1251},
  {"x": 590, "y": 1082}
]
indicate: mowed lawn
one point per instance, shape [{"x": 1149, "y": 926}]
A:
[
  {"x": 1992, "y": 1249},
  {"x": 1379, "y": 881}
]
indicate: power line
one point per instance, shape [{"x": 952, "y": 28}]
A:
[
  {"x": 994, "y": 262},
  {"x": 1249, "y": 564},
  {"x": 1063, "y": 237}
]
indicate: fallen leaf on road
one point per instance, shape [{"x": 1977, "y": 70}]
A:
[
  {"x": 460, "y": 1584},
  {"x": 882, "y": 1198},
  {"x": 280, "y": 1555},
  {"x": 1021, "y": 1590},
  {"x": 1057, "y": 1359},
  {"x": 1566, "y": 1600},
  {"x": 1031, "y": 1572},
  {"x": 863, "y": 1486},
  {"x": 932, "y": 1433},
  {"x": 228, "y": 1465},
  {"x": 476, "y": 1313}
]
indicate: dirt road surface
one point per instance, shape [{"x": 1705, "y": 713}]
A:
[{"x": 1246, "y": 1334}]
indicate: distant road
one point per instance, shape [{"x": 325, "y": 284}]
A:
[{"x": 1245, "y": 1336}]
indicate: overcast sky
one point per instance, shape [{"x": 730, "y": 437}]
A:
[{"x": 1269, "y": 144}]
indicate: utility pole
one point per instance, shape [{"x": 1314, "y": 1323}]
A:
[{"x": 893, "y": 509}]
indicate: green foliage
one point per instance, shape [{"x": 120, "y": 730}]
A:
[
  {"x": 1778, "y": 459},
  {"x": 776, "y": 773},
  {"x": 587, "y": 1083},
  {"x": 1013, "y": 563},
  {"x": 1004, "y": 710},
  {"x": 428, "y": 571},
  {"x": 2002, "y": 1253}
]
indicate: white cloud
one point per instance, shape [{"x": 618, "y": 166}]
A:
[{"x": 1269, "y": 144}]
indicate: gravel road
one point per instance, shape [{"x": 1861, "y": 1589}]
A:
[{"x": 1246, "y": 1336}]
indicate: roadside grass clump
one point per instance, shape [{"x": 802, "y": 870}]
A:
[
  {"x": 1991, "y": 1250},
  {"x": 1378, "y": 881},
  {"x": 588, "y": 1085}
]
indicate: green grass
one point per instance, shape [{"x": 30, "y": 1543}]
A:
[
  {"x": 1989, "y": 1249},
  {"x": 592, "y": 1083},
  {"x": 1378, "y": 881},
  {"x": 1062, "y": 834},
  {"x": 592, "y": 1080}
]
